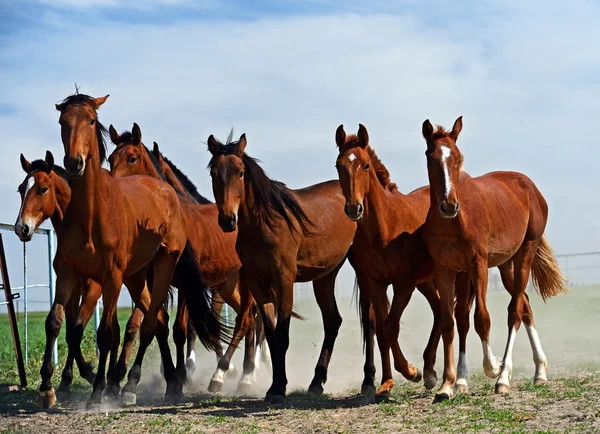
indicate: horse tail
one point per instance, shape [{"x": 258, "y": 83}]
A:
[
  {"x": 548, "y": 280},
  {"x": 297, "y": 316},
  {"x": 209, "y": 328}
]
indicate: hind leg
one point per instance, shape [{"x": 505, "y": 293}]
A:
[
  {"x": 180, "y": 338},
  {"x": 324, "y": 290},
  {"x": 190, "y": 362},
  {"x": 367, "y": 317},
  {"x": 462, "y": 308},
  {"x": 248, "y": 326},
  {"x": 522, "y": 260},
  {"x": 429, "y": 291},
  {"x": 63, "y": 393},
  {"x": 539, "y": 358}
]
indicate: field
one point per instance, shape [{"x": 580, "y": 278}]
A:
[{"x": 569, "y": 403}]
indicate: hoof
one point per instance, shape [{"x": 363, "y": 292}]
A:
[
  {"x": 173, "y": 398},
  {"x": 190, "y": 367},
  {"x": 440, "y": 397},
  {"x": 275, "y": 399},
  {"x": 128, "y": 398},
  {"x": 315, "y": 389},
  {"x": 418, "y": 376},
  {"x": 502, "y": 388},
  {"x": 495, "y": 370},
  {"x": 382, "y": 396},
  {"x": 46, "y": 398},
  {"x": 112, "y": 392},
  {"x": 232, "y": 373},
  {"x": 244, "y": 389},
  {"x": 367, "y": 389},
  {"x": 63, "y": 393},
  {"x": 540, "y": 381},
  {"x": 430, "y": 380},
  {"x": 92, "y": 405},
  {"x": 215, "y": 386},
  {"x": 461, "y": 388}
]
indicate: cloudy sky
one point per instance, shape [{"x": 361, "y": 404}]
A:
[{"x": 525, "y": 76}]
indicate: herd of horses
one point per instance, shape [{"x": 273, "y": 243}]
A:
[{"x": 143, "y": 224}]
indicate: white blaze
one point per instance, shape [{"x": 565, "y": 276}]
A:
[
  {"x": 445, "y": 154},
  {"x": 351, "y": 157},
  {"x": 29, "y": 186}
]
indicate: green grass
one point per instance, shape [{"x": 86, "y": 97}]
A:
[{"x": 36, "y": 344}]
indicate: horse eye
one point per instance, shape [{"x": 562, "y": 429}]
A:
[
  {"x": 93, "y": 121},
  {"x": 132, "y": 160},
  {"x": 367, "y": 166},
  {"x": 44, "y": 190},
  {"x": 242, "y": 174}
]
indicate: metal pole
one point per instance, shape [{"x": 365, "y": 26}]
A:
[
  {"x": 51, "y": 286},
  {"x": 25, "y": 300}
]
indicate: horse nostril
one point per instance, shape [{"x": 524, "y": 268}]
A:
[
  {"x": 233, "y": 220},
  {"x": 360, "y": 209},
  {"x": 79, "y": 162},
  {"x": 346, "y": 209},
  {"x": 25, "y": 230},
  {"x": 443, "y": 207}
]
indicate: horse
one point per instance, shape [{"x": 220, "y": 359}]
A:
[
  {"x": 45, "y": 194},
  {"x": 494, "y": 220},
  {"x": 219, "y": 263},
  {"x": 115, "y": 228},
  {"x": 388, "y": 249},
  {"x": 285, "y": 236}
]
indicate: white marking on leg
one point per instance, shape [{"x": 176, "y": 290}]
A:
[
  {"x": 351, "y": 157},
  {"x": 218, "y": 376},
  {"x": 445, "y": 154},
  {"x": 539, "y": 358},
  {"x": 266, "y": 356},
  {"x": 507, "y": 364},
  {"x": 192, "y": 356},
  {"x": 257, "y": 355},
  {"x": 491, "y": 367},
  {"x": 462, "y": 372}
]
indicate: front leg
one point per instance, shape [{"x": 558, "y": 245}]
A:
[{"x": 444, "y": 280}]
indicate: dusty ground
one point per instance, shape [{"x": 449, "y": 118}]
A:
[{"x": 570, "y": 403}]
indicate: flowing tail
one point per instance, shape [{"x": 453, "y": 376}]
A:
[
  {"x": 209, "y": 328},
  {"x": 548, "y": 280}
]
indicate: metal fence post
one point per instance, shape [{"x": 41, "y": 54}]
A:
[
  {"x": 25, "y": 301},
  {"x": 51, "y": 286}
]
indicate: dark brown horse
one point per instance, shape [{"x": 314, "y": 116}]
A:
[
  {"x": 388, "y": 249},
  {"x": 113, "y": 229},
  {"x": 285, "y": 236},
  {"x": 218, "y": 261},
  {"x": 495, "y": 220}
]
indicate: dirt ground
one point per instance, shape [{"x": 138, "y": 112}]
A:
[{"x": 569, "y": 403}]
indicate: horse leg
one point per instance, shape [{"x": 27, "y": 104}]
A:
[
  {"x": 324, "y": 290},
  {"x": 180, "y": 338},
  {"x": 444, "y": 281},
  {"x": 224, "y": 365},
  {"x": 66, "y": 283},
  {"x": 539, "y": 358},
  {"x": 430, "y": 293},
  {"x": 63, "y": 392},
  {"x": 367, "y": 317},
  {"x": 523, "y": 260},
  {"x": 190, "y": 363},
  {"x": 463, "y": 310},
  {"x": 402, "y": 295},
  {"x": 112, "y": 391},
  {"x": 479, "y": 280},
  {"x": 110, "y": 296},
  {"x": 248, "y": 326},
  {"x": 155, "y": 322}
]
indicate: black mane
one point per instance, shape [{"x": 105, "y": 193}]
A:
[
  {"x": 270, "y": 196},
  {"x": 187, "y": 183},
  {"x": 101, "y": 131},
  {"x": 42, "y": 166}
]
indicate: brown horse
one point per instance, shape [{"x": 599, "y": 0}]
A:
[
  {"x": 285, "y": 236},
  {"x": 219, "y": 263},
  {"x": 495, "y": 220},
  {"x": 116, "y": 228},
  {"x": 388, "y": 248}
]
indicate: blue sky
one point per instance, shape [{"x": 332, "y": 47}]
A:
[{"x": 525, "y": 76}]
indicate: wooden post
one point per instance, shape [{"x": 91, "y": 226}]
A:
[{"x": 11, "y": 314}]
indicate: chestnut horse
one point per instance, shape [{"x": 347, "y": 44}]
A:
[
  {"x": 115, "y": 228},
  {"x": 45, "y": 194},
  {"x": 219, "y": 264},
  {"x": 285, "y": 236},
  {"x": 495, "y": 220},
  {"x": 388, "y": 249}
]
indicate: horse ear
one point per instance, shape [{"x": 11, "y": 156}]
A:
[
  {"x": 26, "y": 165},
  {"x": 155, "y": 150},
  {"x": 213, "y": 146},
  {"x": 114, "y": 136},
  {"x": 137, "y": 134},
  {"x": 363, "y": 136},
  {"x": 457, "y": 128},
  {"x": 427, "y": 129},
  {"x": 242, "y": 142},
  {"x": 99, "y": 101},
  {"x": 49, "y": 162},
  {"x": 340, "y": 136}
]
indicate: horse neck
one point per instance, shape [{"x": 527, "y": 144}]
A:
[
  {"x": 149, "y": 169},
  {"x": 381, "y": 221},
  {"x": 248, "y": 220},
  {"x": 174, "y": 181},
  {"x": 62, "y": 192}
]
